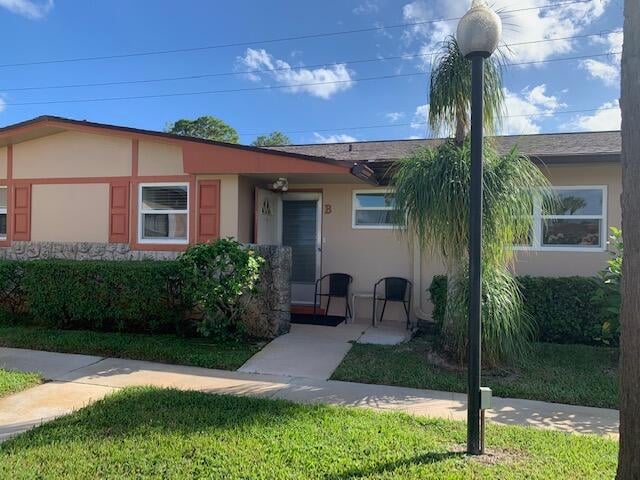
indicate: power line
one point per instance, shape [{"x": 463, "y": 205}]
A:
[
  {"x": 272, "y": 40},
  {"x": 253, "y": 89},
  {"x": 272, "y": 70},
  {"x": 211, "y": 92},
  {"x": 268, "y": 87},
  {"x": 413, "y": 124}
]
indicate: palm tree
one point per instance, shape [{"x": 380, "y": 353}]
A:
[
  {"x": 432, "y": 197},
  {"x": 450, "y": 92}
]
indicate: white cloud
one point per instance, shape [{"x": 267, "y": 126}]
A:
[
  {"x": 366, "y": 8},
  {"x": 537, "y": 96},
  {"x": 524, "y": 26},
  {"x": 337, "y": 138},
  {"x": 525, "y": 109},
  {"x": 314, "y": 80},
  {"x": 28, "y": 8},
  {"x": 420, "y": 117},
  {"x": 393, "y": 117},
  {"x": 607, "y": 72},
  {"x": 430, "y": 34},
  {"x": 607, "y": 117},
  {"x": 3, "y": 104},
  {"x": 612, "y": 40}
]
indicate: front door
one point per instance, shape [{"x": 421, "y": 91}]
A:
[{"x": 301, "y": 230}]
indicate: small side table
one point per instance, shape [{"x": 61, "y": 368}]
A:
[{"x": 356, "y": 295}]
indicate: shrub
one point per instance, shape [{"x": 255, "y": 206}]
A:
[
  {"x": 608, "y": 296},
  {"x": 98, "y": 295},
  {"x": 563, "y": 308},
  {"x": 438, "y": 294},
  {"x": 218, "y": 277}
]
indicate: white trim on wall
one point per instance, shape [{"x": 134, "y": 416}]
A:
[{"x": 142, "y": 212}]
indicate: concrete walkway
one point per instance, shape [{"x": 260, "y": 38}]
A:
[
  {"x": 309, "y": 351},
  {"x": 313, "y": 351},
  {"x": 78, "y": 380}
]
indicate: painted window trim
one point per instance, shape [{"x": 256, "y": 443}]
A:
[
  {"x": 537, "y": 246},
  {"x": 354, "y": 209},
  {"x": 141, "y": 212},
  {"x": 3, "y": 210}
]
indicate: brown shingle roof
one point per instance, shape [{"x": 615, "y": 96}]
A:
[{"x": 549, "y": 147}]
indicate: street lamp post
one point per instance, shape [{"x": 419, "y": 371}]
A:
[{"x": 478, "y": 35}]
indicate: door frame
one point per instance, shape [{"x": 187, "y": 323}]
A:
[{"x": 303, "y": 194}]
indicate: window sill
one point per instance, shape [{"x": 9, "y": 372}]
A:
[
  {"x": 561, "y": 249},
  {"x": 374, "y": 227}
]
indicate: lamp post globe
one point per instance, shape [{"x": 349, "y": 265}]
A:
[
  {"x": 479, "y": 30},
  {"x": 478, "y": 35}
]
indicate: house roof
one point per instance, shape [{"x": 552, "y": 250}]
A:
[
  {"x": 199, "y": 155},
  {"x": 53, "y": 124},
  {"x": 547, "y": 148}
]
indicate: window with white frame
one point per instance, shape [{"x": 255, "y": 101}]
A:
[
  {"x": 3, "y": 213},
  {"x": 373, "y": 209},
  {"x": 164, "y": 213},
  {"x": 574, "y": 220}
]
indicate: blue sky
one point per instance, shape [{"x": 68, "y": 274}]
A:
[{"x": 45, "y": 30}]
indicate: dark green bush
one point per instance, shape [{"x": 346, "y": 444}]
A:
[
  {"x": 563, "y": 308},
  {"x": 97, "y": 295},
  {"x": 438, "y": 293}
]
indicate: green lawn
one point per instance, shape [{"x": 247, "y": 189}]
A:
[
  {"x": 574, "y": 374},
  {"x": 152, "y": 433},
  {"x": 12, "y": 382},
  {"x": 198, "y": 352}
]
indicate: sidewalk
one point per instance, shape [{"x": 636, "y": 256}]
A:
[{"x": 78, "y": 380}]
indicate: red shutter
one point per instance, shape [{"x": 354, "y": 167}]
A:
[
  {"x": 21, "y": 221},
  {"x": 208, "y": 210},
  {"x": 119, "y": 212}
]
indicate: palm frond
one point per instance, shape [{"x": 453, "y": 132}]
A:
[{"x": 450, "y": 92}]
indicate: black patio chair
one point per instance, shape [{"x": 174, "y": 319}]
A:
[
  {"x": 396, "y": 289},
  {"x": 339, "y": 284}
]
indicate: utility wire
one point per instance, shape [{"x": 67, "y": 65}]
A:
[
  {"x": 267, "y": 87},
  {"x": 211, "y": 92},
  {"x": 413, "y": 124},
  {"x": 271, "y": 70},
  {"x": 272, "y": 40}
]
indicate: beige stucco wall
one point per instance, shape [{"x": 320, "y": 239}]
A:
[
  {"x": 369, "y": 254},
  {"x": 70, "y": 213},
  {"x": 72, "y": 155},
  {"x": 541, "y": 263},
  {"x": 159, "y": 159},
  {"x": 228, "y": 203},
  {"x": 365, "y": 254},
  {"x": 3, "y": 162}
]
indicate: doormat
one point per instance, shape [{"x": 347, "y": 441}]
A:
[{"x": 307, "y": 319}]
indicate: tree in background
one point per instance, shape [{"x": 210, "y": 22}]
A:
[
  {"x": 629, "y": 457},
  {"x": 432, "y": 190},
  {"x": 208, "y": 127},
  {"x": 273, "y": 139}
]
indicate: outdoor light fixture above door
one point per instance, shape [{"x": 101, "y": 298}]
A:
[{"x": 280, "y": 185}]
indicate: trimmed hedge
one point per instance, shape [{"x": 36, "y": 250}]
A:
[
  {"x": 563, "y": 308},
  {"x": 136, "y": 296}
]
